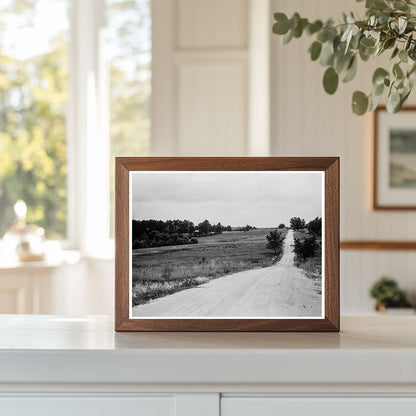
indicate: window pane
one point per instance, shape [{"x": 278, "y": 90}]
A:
[
  {"x": 33, "y": 100},
  {"x": 129, "y": 46}
]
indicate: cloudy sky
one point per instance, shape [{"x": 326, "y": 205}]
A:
[{"x": 261, "y": 199}]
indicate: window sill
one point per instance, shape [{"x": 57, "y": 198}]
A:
[{"x": 51, "y": 261}]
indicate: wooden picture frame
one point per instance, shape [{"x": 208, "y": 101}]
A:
[
  {"x": 391, "y": 178},
  {"x": 134, "y": 170}
]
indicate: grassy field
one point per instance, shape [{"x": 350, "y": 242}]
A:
[
  {"x": 160, "y": 271},
  {"x": 313, "y": 265}
]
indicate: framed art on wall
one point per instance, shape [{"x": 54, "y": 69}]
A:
[
  {"x": 394, "y": 159},
  {"x": 227, "y": 244}
]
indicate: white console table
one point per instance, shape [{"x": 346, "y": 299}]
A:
[{"x": 67, "y": 366}]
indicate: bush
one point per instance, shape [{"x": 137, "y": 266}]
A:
[
  {"x": 315, "y": 226},
  {"x": 275, "y": 242},
  {"x": 307, "y": 248},
  {"x": 387, "y": 292},
  {"x": 297, "y": 223}
]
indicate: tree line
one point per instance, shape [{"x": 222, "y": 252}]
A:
[
  {"x": 314, "y": 227},
  {"x": 303, "y": 248},
  {"x": 307, "y": 247},
  {"x": 157, "y": 233}
]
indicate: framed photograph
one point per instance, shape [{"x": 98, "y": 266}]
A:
[
  {"x": 394, "y": 163},
  {"x": 227, "y": 244}
]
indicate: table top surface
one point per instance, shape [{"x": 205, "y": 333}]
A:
[
  {"x": 54, "y": 349},
  {"x": 47, "y": 332}
]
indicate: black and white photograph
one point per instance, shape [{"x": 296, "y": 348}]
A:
[{"x": 226, "y": 244}]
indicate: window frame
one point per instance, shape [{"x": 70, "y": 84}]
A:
[{"x": 87, "y": 133}]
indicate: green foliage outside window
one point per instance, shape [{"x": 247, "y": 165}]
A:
[{"x": 33, "y": 100}]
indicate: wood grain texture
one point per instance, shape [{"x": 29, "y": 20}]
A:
[
  {"x": 330, "y": 165},
  {"x": 121, "y": 244},
  {"x": 376, "y": 204},
  {"x": 378, "y": 245}
]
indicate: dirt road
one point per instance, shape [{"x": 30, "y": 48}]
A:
[{"x": 281, "y": 290}]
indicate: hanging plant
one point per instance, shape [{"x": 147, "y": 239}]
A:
[{"x": 389, "y": 27}]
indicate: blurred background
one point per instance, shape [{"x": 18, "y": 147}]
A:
[{"x": 83, "y": 81}]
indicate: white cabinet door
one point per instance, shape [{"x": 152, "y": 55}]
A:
[
  {"x": 273, "y": 406},
  {"x": 87, "y": 406}
]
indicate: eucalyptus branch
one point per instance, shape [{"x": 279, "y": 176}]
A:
[{"x": 388, "y": 25}]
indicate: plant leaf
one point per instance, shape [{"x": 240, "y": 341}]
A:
[
  {"x": 408, "y": 42},
  {"x": 402, "y": 24},
  {"x": 351, "y": 71},
  {"x": 330, "y": 80},
  {"x": 288, "y": 37},
  {"x": 281, "y": 27},
  {"x": 393, "y": 101},
  {"x": 403, "y": 56},
  {"x": 379, "y": 75},
  {"x": 314, "y": 27},
  {"x": 374, "y": 101},
  {"x": 359, "y": 103},
  {"x": 395, "y": 52},
  {"x": 397, "y": 71},
  {"x": 327, "y": 53},
  {"x": 315, "y": 50}
]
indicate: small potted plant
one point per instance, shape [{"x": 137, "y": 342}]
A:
[{"x": 387, "y": 294}]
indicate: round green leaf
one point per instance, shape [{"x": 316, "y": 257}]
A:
[
  {"x": 397, "y": 71},
  {"x": 403, "y": 55},
  {"x": 288, "y": 37},
  {"x": 351, "y": 71},
  {"x": 327, "y": 54},
  {"x": 367, "y": 42},
  {"x": 359, "y": 103},
  {"x": 374, "y": 102},
  {"x": 300, "y": 25},
  {"x": 330, "y": 80},
  {"x": 378, "y": 90},
  {"x": 379, "y": 75},
  {"x": 315, "y": 50},
  {"x": 365, "y": 53},
  {"x": 393, "y": 101},
  {"x": 314, "y": 27},
  {"x": 281, "y": 27},
  {"x": 389, "y": 43},
  {"x": 395, "y": 52}
]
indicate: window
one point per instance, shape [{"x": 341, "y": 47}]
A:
[
  {"x": 129, "y": 43},
  {"x": 33, "y": 101},
  {"x": 75, "y": 87}
]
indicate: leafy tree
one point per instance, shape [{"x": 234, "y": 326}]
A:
[
  {"x": 156, "y": 233},
  {"x": 297, "y": 223},
  {"x": 275, "y": 242},
  {"x": 306, "y": 248},
  {"x": 33, "y": 101},
  {"x": 219, "y": 228},
  {"x": 315, "y": 226},
  {"x": 129, "y": 34},
  {"x": 204, "y": 228},
  {"x": 282, "y": 226}
]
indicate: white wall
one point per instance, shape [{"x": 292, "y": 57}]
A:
[
  {"x": 211, "y": 95},
  {"x": 200, "y": 77},
  {"x": 308, "y": 122}
]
